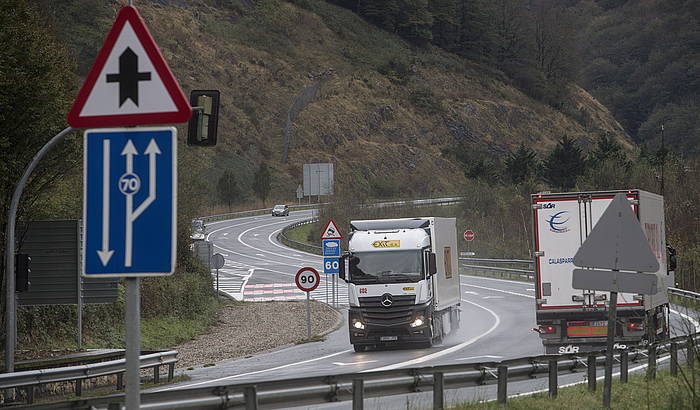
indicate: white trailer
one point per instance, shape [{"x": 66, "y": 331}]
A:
[
  {"x": 403, "y": 281},
  {"x": 571, "y": 320}
]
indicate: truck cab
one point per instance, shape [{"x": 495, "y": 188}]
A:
[{"x": 399, "y": 289}]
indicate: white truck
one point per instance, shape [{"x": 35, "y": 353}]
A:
[
  {"x": 403, "y": 281},
  {"x": 571, "y": 320}
]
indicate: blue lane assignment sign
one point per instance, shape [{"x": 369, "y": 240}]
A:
[{"x": 130, "y": 201}]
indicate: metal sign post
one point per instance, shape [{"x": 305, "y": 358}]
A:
[
  {"x": 307, "y": 281},
  {"x": 218, "y": 262},
  {"x": 617, "y": 242},
  {"x": 133, "y": 342}
]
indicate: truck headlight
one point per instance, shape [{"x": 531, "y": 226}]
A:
[
  {"x": 357, "y": 324},
  {"x": 418, "y": 321}
]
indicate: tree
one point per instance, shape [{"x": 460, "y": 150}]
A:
[
  {"x": 564, "y": 164},
  {"x": 262, "y": 182},
  {"x": 445, "y": 19},
  {"x": 415, "y": 21},
  {"x": 227, "y": 188},
  {"x": 476, "y": 35},
  {"x": 521, "y": 164},
  {"x": 606, "y": 149}
]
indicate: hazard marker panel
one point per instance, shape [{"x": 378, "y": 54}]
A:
[{"x": 130, "y": 83}]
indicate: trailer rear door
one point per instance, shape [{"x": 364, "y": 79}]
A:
[{"x": 562, "y": 223}]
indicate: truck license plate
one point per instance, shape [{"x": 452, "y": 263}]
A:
[{"x": 388, "y": 338}]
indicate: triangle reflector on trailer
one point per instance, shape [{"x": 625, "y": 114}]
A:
[
  {"x": 130, "y": 83},
  {"x": 617, "y": 242}
]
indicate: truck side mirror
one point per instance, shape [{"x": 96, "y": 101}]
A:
[
  {"x": 672, "y": 259},
  {"x": 432, "y": 264},
  {"x": 341, "y": 268}
]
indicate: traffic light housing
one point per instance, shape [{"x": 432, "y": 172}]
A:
[
  {"x": 22, "y": 271},
  {"x": 203, "y": 127}
]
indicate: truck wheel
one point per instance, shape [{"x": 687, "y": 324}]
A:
[{"x": 359, "y": 348}]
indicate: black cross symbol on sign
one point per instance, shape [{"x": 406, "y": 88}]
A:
[{"x": 128, "y": 77}]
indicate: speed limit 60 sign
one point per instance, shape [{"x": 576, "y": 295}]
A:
[
  {"x": 331, "y": 265},
  {"x": 307, "y": 279}
]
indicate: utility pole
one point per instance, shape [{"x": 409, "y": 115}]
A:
[{"x": 663, "y": 159}]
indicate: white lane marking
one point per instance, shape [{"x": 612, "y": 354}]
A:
[
  {"x": 688, "y": 318},
  {"x": 259, "y": 254},
  {"x": 286, "y": 248},
  {"x": 256, "y": 235},
  {"x": 499, "y": 290},
  {"x": 446, "y": 351},
  {"x": 353, "y": 363},
  {"x": 530, "y": 289},
  {"x": 493, "y": 297},
  {"x": 284, "y": 366},
  {"x": 240, "y": 239},
  {"x": 469, "y": 292},
  {"x": 225, "y": 233},
  {"x": 479, "y": 357}
]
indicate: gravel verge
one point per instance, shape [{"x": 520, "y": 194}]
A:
[{"x": 253, "y": 327}]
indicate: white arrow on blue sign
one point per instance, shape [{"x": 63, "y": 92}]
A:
[{"x": 130, "y": 201}]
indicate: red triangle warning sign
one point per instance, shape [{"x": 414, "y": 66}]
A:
[
  {"x": 130, "y": 83},
  {"x": 331, "y": 231}
]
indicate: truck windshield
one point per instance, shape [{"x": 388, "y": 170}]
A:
[{"x": 385, "y": 267}]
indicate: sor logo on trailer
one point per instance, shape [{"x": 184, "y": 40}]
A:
[
  {"x": 548, "y": 206},
  {"x": 557, "y": 222},
  {"x": 568, "y": 349}
]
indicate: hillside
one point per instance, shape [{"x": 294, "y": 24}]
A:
[{"x": 384, "y": 111}]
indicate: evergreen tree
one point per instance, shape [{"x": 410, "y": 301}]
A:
[
  {"x": 227, "y": 188},
  {"x": 521, "y": 164},
  {"x": 607, "y": 149},
  {"x": 445, "y": 23},
  {"x": 564, "y": 164},
  {"x": 262, "y": 182},
  {"x": 476, "y": 35},
  {"x": 415, "y": 21}
]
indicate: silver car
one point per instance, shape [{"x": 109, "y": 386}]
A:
[{"x": 280, "y": 210}]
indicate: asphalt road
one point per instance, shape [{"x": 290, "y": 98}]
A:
[{"x": 496, "y": 322}]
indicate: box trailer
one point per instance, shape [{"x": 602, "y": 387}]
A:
[
  {"x": 403, "y": 281},
  {"x": 571, "y": 320}
]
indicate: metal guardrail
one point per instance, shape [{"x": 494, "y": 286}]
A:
[
  {"x": 282, "y": 237},
  {"x": 526, "y": 272},
  {"x": 684, "y": 293},
  {"x": 357, "y": 386},
  {"x": 32, "y": 378},
  {"x": 254, "y": 212}
]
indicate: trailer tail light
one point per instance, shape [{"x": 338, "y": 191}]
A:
[
  {"x": 635, "y": 327},
  {"x": 547, "y": 329}
]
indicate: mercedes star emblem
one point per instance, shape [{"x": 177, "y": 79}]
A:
[{"x": 387, "y": 300}]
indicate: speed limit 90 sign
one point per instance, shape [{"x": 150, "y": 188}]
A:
[{"x": 307, "y": 279}]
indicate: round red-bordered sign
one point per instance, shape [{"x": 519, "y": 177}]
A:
[
  {"x": 307, "y": 279},
  {"x": 469, "y": 235}
]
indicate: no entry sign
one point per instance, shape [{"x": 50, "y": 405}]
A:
[
  {"x": 468, "y": 235},
  {"x": 307, "y": 279}
]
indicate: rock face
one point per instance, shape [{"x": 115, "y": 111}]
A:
[{"x": 384, "y": 111}]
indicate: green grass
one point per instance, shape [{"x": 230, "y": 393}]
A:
[
  {"x": 301, "y": 233},
  {"x": 666, "y": 392},
  {"x": 164, "y": 332}
]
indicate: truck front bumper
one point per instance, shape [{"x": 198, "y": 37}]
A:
[{"x": 387, "y": 332}]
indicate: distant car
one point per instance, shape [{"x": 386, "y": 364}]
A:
[
  {"x": 280, "y": 210},
  {"x": 197, "y": 230}
]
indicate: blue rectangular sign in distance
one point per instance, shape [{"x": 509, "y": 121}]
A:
[
  {"x": 331, "y": 265},
  {"x": 130, "y": 201},
  {"x": 331, "y": 247}
]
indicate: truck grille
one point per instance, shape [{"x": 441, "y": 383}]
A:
[{"x": 400, "y": 311}]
